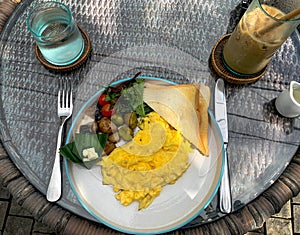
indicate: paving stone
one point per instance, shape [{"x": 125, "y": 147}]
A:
[
  {"x": 296, "y": 199},
  {"x": 4, "y": 193},
  {"x": 18, "y": 226},
  {"x": 296, "y": 215},
  {"x": 41, "y": 229},
  {"x": 276, "y": 226},
  {"x": 3, "y": 211},
  {"x": 16, "y": 209},
  {"x": 285, "y": 211}
]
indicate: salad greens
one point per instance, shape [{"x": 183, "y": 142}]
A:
[
  {"x": 74, "y": 150},
  {"x": 128, "y": 97},
  {"x": 134, "y": 96}
]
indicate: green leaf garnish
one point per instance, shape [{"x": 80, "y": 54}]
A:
[
  {"x": 73, "y": 150},
  {"x": 70, "y": 151}
]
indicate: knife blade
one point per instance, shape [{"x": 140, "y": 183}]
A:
[{"x": 221, "y": 118}]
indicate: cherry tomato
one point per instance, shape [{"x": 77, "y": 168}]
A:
[
  {"x": 107, "y": 111},
  {"x": 102, "y": 100}
]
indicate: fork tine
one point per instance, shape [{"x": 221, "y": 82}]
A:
[
  {"x": 65, "y": 95},
  {"x": 67, "y": 98},
  {"x": 59, "y": 99},
  {"x": 63, "y": 99},
  {"x": 71, "y": 98}
]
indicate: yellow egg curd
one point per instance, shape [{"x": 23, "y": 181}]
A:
[{"x": 156, "y": 156}]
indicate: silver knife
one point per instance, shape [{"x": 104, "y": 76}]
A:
[{"x": 221, "y": 118}]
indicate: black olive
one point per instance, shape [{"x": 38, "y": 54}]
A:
[{"x": 98, "y": 114}]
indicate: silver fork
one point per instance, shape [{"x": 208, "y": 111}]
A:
[{"x": 64, "y": 111}]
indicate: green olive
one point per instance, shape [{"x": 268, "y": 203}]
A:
[
  {"x": 125, "y": 133},
  {"x": 117, "y": 119},
  {"x": 131, "y": 120}
]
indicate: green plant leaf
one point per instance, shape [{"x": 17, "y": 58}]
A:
[{"x": 73, "y": 150}]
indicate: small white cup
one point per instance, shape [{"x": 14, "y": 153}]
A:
[{"x": 288, "y": 102}]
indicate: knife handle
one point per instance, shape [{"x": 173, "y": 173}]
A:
[{"x": 225, "y": 190}]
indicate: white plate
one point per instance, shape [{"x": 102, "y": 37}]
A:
[{"x": 177, "y": 204}]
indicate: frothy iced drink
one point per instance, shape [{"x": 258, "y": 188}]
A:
[{"x": 251, "y": 47}]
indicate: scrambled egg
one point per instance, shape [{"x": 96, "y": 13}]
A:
[{"x": 157, "y": 156}]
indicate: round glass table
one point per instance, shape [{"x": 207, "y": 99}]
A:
[{"x": 167, "y": 39}]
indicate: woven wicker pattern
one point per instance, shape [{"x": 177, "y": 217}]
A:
[{"x": 171, "y": 40}]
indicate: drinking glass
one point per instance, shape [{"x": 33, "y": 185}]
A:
[
  {"x": 264, "y": 27},
  {"x": 55, "y": 32}
]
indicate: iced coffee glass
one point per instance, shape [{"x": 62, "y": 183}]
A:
[{"x": 264, "y": 27}]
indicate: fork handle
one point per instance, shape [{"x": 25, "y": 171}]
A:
[{"x": 54, "y": 187}]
